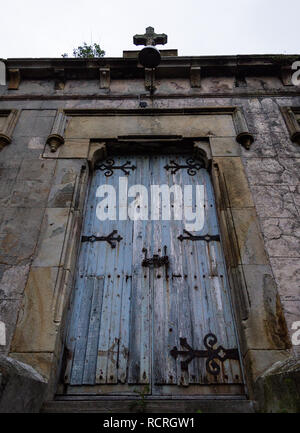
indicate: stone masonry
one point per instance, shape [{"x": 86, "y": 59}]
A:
[{"x": 38, "y": 190}]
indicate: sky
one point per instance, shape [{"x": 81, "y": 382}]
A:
[{"x": 39, "y": 28}]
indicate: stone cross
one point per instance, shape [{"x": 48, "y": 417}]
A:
[{"x": 150, "y": 38}]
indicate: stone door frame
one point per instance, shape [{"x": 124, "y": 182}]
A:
[{"x": 258, "y": 315}]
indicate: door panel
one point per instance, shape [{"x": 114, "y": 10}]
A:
[{"x": 135, "y": 327}]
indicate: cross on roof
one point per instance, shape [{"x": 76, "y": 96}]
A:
[{"x": 150, "y": 38}]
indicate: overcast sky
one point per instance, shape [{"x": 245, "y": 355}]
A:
[{"x": 39, "y": 28}]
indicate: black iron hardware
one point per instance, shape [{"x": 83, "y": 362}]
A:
[
  {"x": 109, "y": 167},
  {"x": 191, "y": 165},
  {"x": 156, "y": 261},
  {"x": 211, "y": 354},
  {"x": 109, "y": 238},
  {"x": 190, "y": 237}
]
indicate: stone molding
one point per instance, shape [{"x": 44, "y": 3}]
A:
[
  {"x": 292, "y": 123},
  {"x": 264, "y": 65},
  {"x": 11, "y": 118},
  {"x": 56, "y": 139}
]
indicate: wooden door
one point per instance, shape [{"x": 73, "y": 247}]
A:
[{"x": 151, "y": 311}]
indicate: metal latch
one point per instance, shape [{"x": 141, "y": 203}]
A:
[{"x": 156, "y": 261}]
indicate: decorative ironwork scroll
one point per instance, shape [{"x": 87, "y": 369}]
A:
[
  {"x": 109, "y": 166},
  {"x": 190, "y": 237},
  {"x": 191, "y": 165},
  {"x": 109, "y": 238},
  {"x": 220, "y": 354}
]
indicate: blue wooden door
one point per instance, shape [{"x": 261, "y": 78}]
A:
[{"x": 151, "y": 310}]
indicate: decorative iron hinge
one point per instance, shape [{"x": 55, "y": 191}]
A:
[
  {"x": 211, "y": 354},
  {"x": 190, "y": 237},
  {"x": 109, "y": 238},
  {"x": 156, "y": 261},
  {"x": 109, "y": 166},
  {"x": 191, "y": 165}
]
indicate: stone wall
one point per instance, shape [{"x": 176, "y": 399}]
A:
[{"x": 38, "y": 203}]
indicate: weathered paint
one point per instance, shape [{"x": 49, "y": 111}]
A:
[{"x": 127, "y": 318}]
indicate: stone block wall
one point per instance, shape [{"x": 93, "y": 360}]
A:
[{"x": 37, "y": 198}]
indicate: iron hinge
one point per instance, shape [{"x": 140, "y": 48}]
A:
[{"x": 109, "y": 238}]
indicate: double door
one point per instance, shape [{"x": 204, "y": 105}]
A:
[{"x": 151, "y": 312}]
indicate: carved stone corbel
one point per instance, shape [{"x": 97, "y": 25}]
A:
[
  {"x": 9, "y": 125},
  {"x": 56, "y": 138},
  {"x": 286, "y": 75},
  {"x": 195, "y": 76},
  {"x": 292, "y": 123},
  {"x": 59, "y": 79},
  {"x": 244, "y": 137},
  {"x": 240, "y": 79},
  {"x": 104, "y": 78},
  {"x": 14, "y": 79}
]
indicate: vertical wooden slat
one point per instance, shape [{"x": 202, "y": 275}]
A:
[
  {"x": 140, "y": 323},
  {"x": 89, "y": 373},
  {"x": 87, "y": 285}
]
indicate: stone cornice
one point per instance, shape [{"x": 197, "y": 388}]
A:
[
  {"x": 78, "y": 68},
  {"x": 290, "y": 92}
]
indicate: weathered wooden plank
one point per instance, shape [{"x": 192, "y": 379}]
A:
[
  {"x": 140, "y": 320},
  {"x": 89, "y": 374},
  {"x": 105, "y": 346},
  {"x": 125, "y": 305},
  {"x": 87, "y": 284}
]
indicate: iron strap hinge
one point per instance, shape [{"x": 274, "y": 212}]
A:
[
  {"x": 211, "y": 354},
  {"x": 190, "y": 237},
  {"x": 109, "y": 166},
  {"x": 109, "y": 238},
  {"x": 191, "y": 165}
]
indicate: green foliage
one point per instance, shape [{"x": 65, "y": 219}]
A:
[
  {"x": 87, "y": 51},
  {"x": 140, "y": 405}
]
